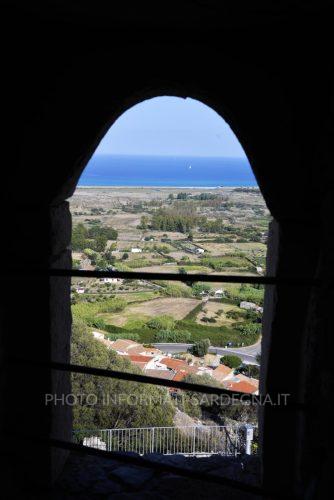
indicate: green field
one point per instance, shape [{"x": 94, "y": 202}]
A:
[
  {"x": 131, "y": 318},
  {"x": 220, "y": 231}
]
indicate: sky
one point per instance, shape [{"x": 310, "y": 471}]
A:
[{"x": 171, "y": 126}]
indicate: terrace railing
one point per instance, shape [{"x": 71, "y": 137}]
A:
[{"x": 187, "y": 440}]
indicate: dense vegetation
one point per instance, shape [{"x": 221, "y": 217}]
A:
[
  {"x": 199, "y": 405},
  {"x": 200, "y": 348},
  {"x": 94, "y": 238},
  {"x": 245, "y": 328},
  {"x": 231, "y": 361},
  {"x": 173, "y": 220},
  {"x": 114, "y": 402}
]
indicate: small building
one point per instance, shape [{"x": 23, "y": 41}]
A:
[
  {"x": 241, "y": 386},
  {"x": 80, "y": 290},
  {"x": 136, "y": 250},
  {"x": 222, "y": 373},
  {"x": 143, "y": 362},
  {"x": 155, "y": 372},
  {"x": 111, "y": 280},
  {"x": 219, "y": 293},
  {"x": 173, "y": 364},
  {"x": 199, "y": 250},
  {"x": 121, "y": 346},
  {"x": 250, "y": 306}
]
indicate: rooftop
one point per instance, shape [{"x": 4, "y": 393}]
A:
[
  {"x": 123, "y": 344},
  {"x": 165, "y": 374},
  {"x": 242, "y": 386},
  {"x": 221, "y": 372},
  {"x": 173, "y": 364}
]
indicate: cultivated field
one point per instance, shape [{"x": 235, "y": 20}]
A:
[{"x": 169, "y": 230}]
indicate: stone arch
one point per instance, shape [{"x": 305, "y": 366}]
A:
[
  {"x": 92, "y": 107},
  {"x": 71, "y": 116}
]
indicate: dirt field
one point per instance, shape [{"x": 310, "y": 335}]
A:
[
  {"x": 176, "y": 307},
  {"x": 123, "y": 207},
  {"x": 210, "y": 310},
  {"x": 217, "y": 248}
]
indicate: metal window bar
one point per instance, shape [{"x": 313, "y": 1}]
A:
[
  {"x": 265, "y": 280},
  {"x": 146, "y": 379},
  {"x": 140, "y": 461},
  {"x": 191, "y": 278}
]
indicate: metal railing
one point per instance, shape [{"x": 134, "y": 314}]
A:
[{"x": 186, "y": 440}]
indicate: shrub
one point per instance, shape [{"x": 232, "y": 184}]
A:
[
  {"x": 232, "y": 314},
  {"x": 200, "y": 288},
  {"x": 172, "y": 336},
  {"x": 250, "y": 371},
  {"x": 163, "y": 322},
  {"x": 248, "y": 293},
  {"x": 116, "y": 304},
  {"x": 177, "y": 290},
  {"x": 208, "y": 320},
  {"x": 200, "y": 348},
  {"x": 231, "y": 361},
  {"x": 249, "y": 329}
]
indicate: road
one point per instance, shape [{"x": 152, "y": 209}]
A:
[{"x": 247, "y": 354}]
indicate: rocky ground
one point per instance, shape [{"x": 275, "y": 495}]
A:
[{"x": 90, "y": 477}]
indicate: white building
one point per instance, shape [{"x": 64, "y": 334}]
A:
[
  {"x": 80, "y": 290},
  {"x": 250, "y": 306},
  {"x": 136, "y": 250},
  {"x": 199, "y": 250},
  {"x": 219, "y": 293},
  {"x": 111, "y": 280}
]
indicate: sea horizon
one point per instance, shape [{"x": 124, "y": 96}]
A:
[{"x": 185, "y": 172}]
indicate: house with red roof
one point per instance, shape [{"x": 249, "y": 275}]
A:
[
  {"x": 143, "y": 362},
  {"x": 222, "y": 373},
  {"x": 241, "y": 386}
]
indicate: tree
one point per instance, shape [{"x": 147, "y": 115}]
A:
[
  {"x": 107, "y": 403},
  {"x": 190, "y": 236},
  {"x": 109, "y": 232},
  {"x": 125, "y": 256},
  {"x": 79, "y": 237},
  {"x": 200, "y": 348},
  {"x": 101, "y": 264},
  {"x": 231, "y": 361},
  {"x": 182, "y": 196},
  {"x": 143, "y": 222},
  {"x": 193, "y": 403},
  {"x": 201, "y": 289},
  {"x": 250, "y": 370},
  {"x": 100, "y": 243},
  {"x": 109, "y": 257}
]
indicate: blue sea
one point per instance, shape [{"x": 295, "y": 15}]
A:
[{"x": 174, "y": 171}]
